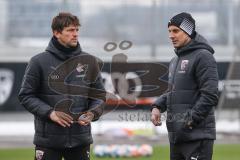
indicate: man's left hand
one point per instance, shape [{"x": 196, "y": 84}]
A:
[{"x": 86, "y": 118}]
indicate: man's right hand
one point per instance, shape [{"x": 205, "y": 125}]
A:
[
  {"x": 61, "y": 118},
  {"x": 156, "y": 117}
]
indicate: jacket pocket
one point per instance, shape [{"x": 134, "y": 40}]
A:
[
  {"x": 43, "y": 129},
  {"x": 52, "y": 128},
  {"x": 182, "y": 134},
  {"x": 77, "y": 129},
  {"x": 210, "y": 121},
  {"x": 40, "y": 127}
]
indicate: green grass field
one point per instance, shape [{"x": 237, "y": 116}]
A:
[{"x": 221, "y": 152}]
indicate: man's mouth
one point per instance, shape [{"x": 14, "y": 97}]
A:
[{"x": 174, "y": 42}]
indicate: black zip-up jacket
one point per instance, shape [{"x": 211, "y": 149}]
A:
[
  {"x": 192, "y": 93},
  {"x": 39, "y": 94}
]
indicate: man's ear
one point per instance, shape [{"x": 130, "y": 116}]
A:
[{"x": 56, "y": 34}]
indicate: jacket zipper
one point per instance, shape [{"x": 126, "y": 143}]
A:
[
  {"x": 173, "y": 79},
  {"x": 69, "y": 129},
  {"x": 44, "y": 126},
  {"x": 69, "y": 137}
]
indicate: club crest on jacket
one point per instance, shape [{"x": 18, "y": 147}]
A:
[
  {"x": 80, "y": 67},
  {"x": 39, "y": 154},
  {"x": 184, "y": 65}
]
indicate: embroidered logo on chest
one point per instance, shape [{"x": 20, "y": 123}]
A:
[
  {"x": 81, "y": 70},
  {"x": 39, "y": 154},
  {"x": 184, "y": 66}
]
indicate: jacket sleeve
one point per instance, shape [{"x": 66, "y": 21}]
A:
[
  {"x": 97, "y": 95},
  {"x": 29, "y": 91},
  {"x": 207, "y": 79},
  {"x": 160, "y": 103}
]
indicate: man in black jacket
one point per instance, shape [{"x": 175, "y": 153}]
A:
[
  {"x": 192, "y": 93},
  {"x": 63, "y": 89}
]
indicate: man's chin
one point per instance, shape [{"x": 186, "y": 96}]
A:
[
  {"x": 73, "y": 45},
  {"x": 175, "y": 46}
]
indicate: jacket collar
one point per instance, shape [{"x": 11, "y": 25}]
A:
[{"x": 61, "y": 51}]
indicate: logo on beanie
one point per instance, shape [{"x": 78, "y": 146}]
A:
[{"x": 187, "y": 26}]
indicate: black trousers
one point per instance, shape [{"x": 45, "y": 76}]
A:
[
  {"x": 77, "y": 153},
  {"x": 195, "y": 150}
]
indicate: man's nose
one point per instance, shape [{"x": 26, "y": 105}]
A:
[
  {"x": 75, "y": 33},
  {"x": 170, "y": 35}
]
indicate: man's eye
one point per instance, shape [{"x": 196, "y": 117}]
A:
[{"x": 175, "y": 31}]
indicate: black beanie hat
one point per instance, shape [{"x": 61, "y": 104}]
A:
[{"x": 185, "y": 22}]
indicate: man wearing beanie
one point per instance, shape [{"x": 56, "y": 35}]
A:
[
  {"x": 58, "y": 84},
  {"x": 192, "y": 94}
]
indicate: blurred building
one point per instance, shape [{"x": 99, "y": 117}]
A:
[{"x": 142, "y": 22}]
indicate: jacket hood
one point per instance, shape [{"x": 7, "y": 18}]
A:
[
  {"x": 62, "y": 52},
  {"x": 198, "y": 42}
]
